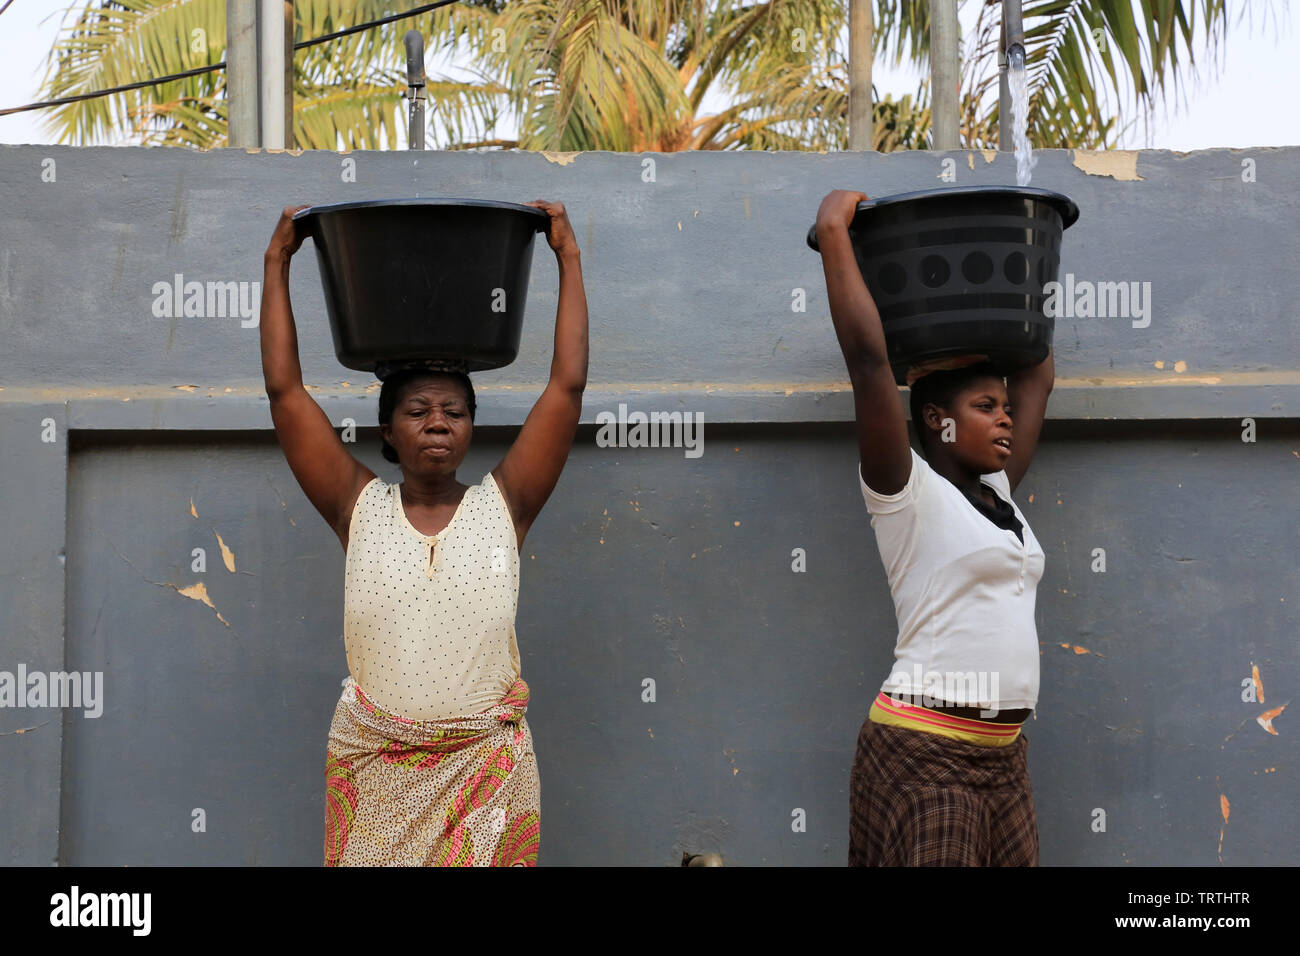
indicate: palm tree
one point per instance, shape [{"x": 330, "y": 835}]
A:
[
  {"x": 626, "y": 75},
  {"x": 1074, "y": 50},
  {"x": 634, "y": 75},
  {"x": 347, "y": 93}
]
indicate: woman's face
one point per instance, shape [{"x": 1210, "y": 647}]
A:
[
  {"x": 981, "y": 416},
  {"x": 431, "y": 428}
]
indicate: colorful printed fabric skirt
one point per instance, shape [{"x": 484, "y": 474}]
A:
[
  {"x": 462, "y": 791},
  {"x": 923, "y": 799}
]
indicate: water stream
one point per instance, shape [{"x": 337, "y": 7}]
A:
[{"x": 1019, "y": 84}]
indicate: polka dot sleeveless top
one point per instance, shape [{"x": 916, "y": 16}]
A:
[{"x": 429, "y": 620}]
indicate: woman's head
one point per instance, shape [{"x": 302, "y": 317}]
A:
[
  {"x": 975, "y": 399},
  {"x": 426, "y": 419}
]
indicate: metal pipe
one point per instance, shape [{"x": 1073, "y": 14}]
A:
[
  {"x": 860, "y": 105},
  {"x": 242, "y": 127},
  {"x": 1014, "y": 31},
  {"x": 1013, "y": 36},
  {"x": 944, "y": 78},
  {"x": 289, "y": 138},
  {"x": 415, "y": 83},
  {"x": 272, "y": 80}
]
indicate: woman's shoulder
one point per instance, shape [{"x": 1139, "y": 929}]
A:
[
  {"x": 373, "y": 490},
  {"x": 917, "y": 482},
  {"x": 362, "y": 510},
  {"x": 493, "y": 494},
  {"x": 489, "y": 489}
]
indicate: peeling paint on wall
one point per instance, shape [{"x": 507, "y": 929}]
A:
[
  {"x": 283, "y": 507},
  {"x": 1265, "y": 719},
  {"x": 227, "y": 555},
  {"x": 199, "y": 592},
  {"x": 1080, "y": 650},
  {"x": 1224, "y": 809},
  {"x": 1115, "y": 163},
  {"x": 23, "y": 730}
]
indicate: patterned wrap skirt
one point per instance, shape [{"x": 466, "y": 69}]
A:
[
  {"x": 921, "y": 799},
  {"x": 461, "y": 791}
]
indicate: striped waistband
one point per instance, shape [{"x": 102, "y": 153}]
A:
[{"x": 886, "y": 710}]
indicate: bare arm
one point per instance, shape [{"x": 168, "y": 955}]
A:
[
  {"x": 528, "y": 473},
  {"x": 883, "y": 447},
  {"x": 327, "y": 473},
  {"x": 1027, "y": 391}
]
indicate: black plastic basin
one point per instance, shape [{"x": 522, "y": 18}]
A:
[
  {"x": 960, "y": 271},
  {"x": 425, "y": 278}
]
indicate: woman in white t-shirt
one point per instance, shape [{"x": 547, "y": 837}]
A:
[{"x": 940, "y": 775}]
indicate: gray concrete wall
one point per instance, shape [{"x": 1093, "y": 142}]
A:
[{"x": 645, "y": 563}]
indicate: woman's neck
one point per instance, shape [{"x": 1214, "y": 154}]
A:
[
  {"x": 967, "y": 482},
  {"x": 434, "y": 490}
]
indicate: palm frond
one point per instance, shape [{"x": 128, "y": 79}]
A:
[
  {"x": 1083, "y": 54},
  {"x": 111, "y": 43},
  {"x": 583, "y": 80},
  {"x": 902, "y": 30},
  {"x": 624, "y": 74},
  {"x": 345, "y": 117}
]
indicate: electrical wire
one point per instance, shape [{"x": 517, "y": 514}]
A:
[{"x": 219, "y": 66}]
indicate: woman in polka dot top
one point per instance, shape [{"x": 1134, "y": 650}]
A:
[{"x": 430, "y": 759}]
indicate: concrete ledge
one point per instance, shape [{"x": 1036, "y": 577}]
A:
[{"x": 196, "y": 408}]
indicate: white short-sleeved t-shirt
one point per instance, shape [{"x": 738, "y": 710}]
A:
[{"x": 964, "y": 592}]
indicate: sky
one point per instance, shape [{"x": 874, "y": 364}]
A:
[{"x": 1235, "y": 101}]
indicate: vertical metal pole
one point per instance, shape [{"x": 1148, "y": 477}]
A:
[
  {"x": 288, "y": 74},
  {"x": 271, "y": 59},
  {"x": 242, "y": 105},
  {"x": 415, "y": 88},
  {"x": 1013, "y": 35},
  {"x": 1004, "y": 94},
  {"x": 860, "y": 105},
  {"x": 944, "y": 75}
]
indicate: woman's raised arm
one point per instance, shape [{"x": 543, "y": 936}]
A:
[
  {"x": 883, "y": 448},
  {"x": 1027, "y": 393},
  {"x": 328, "y": 474},
  {"x": 530, "y": 469}
]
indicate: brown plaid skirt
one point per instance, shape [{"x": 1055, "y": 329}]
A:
[{"x": 921, "y": 799}]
